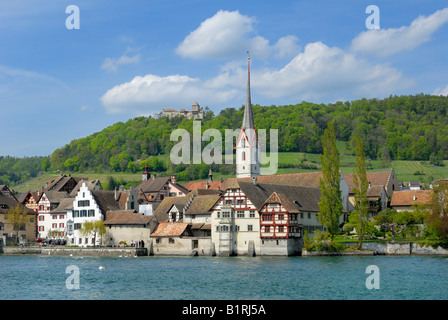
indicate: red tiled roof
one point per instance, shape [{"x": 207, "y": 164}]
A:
[
  {"x": 374, "y": 178},
  {"x": 406, "y": 198},
  {"x": 170, "y": 229},
  {"x": 214, "y": 185}
]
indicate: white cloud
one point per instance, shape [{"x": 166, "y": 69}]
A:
[
  {"x": 324, "y": 73},
  {"x": 111, "y": 65},
  {"x": 441, "y": 91},
  {"x": 151, "y": 93},
  {"x": 228, "y": 35},
  {"x": 386, "y": 42},
  {"x": 320, "y": 73}
]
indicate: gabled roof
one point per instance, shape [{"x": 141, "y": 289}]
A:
[
  {"x": 4, "y": 189},
  {"x": 105, "y": 200},
  {"x": 91, "y": 184},
  {"x": 153, "y": 184},
  {"x": 202, "y": 204},
  {"x": 374, "y": 178},
  {"x": 170, "y": 229},
  {"x": 30, "y": 194},
  {"x": 126, "y": 217},
  {"x": 375, "y": 191},
  {"x": 161, "y": 212},
  {"x": 179, "y": 186},
  {"x": 212, "y": 185},
  {"x": 56, "y": 196},
  {"x": 59, "y": 183},
  {"x": 7, "y": 203},
  {"x": 306, "y": 179},
  {"x": 64, "y": 205},
  {"x": 406, "y": 198},
  {"x": 304, "y": 198}
]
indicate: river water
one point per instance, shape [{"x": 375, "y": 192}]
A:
[{"x": 35, "y": 277}]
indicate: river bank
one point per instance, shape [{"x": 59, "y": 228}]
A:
[
  {"x": 70, "y": 251},
  {"x": 369, "y": 249},
  {"x": 383, "y": 248}
]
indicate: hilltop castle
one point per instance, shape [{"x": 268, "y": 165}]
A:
[{"x": 196, "y": 113}]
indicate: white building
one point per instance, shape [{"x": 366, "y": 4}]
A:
[
  {"x": 46, "y": 221},
  {"x": 92, "y": 205}
]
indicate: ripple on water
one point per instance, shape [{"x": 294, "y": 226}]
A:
[{"x": 162, "y": 278}]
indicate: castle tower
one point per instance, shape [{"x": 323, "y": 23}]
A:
[{"x": 247, "y": 148}]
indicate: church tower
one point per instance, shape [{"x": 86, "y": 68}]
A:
[{"x": 247, "y": 148}]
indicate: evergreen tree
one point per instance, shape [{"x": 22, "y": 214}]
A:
[
  {"x": 330, "y": 205},
  {"x": 360, "y": 190}
]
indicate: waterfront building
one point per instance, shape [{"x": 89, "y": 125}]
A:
[
  {"x": 58, "y": 218},
  {"x": 408, "y": 200},
  {"x": 240, "y": 222},
  {"x": 7, "y": 232},
  {"x": 46, "y": 221},
  {"x": 128, "y": 227},
  {"x": 90, "y": 205}
]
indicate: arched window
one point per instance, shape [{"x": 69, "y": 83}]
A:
[{"x": 244, "y": 156}]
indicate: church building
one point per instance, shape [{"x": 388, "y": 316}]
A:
[{"x": 247, "y": 146}]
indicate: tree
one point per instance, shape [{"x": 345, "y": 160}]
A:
[
  {"x": 18, "y": 218},
  {"x": 93, "y": 228},
  {"x": 330, "y": 205},
  {"x": 360, "y": 190},
  {"x": 437, "y": 218},
  {"x": 387, "y": 219}
]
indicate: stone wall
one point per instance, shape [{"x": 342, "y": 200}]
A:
[
  {"x": 67, "y": 251},
  {"x": 183, "y": 246},
  {"x": 401, "y": 248}
]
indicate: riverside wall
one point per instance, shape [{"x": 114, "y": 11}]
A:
[
  {"x": 369, "y": 248},
  {"x": 67, "y": 251},
  {"x": 400, "y": 248}
]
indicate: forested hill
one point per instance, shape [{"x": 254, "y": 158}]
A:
[{"x": 396, "y": 128}]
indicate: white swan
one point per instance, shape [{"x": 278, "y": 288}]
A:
[{"x": 101, "y": 268}]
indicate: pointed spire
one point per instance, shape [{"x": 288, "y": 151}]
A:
[{"x": 248, "y": 120}]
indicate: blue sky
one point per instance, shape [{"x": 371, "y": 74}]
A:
[{"x": 131, "y": 58}]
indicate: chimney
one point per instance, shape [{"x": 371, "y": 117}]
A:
[
  {"x": 115, "y": 194},
  {"x": 207, "y": 186},
  {"x": 174, "y": 178},
  {"x": 154, "y": 177},
  {"x": 254, "y": 180},
  {"x": 414, "y": 197}
]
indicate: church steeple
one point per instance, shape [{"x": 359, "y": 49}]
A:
[
  {"x": 247, "y": 150},
  {"x": 248, "y": 120}
]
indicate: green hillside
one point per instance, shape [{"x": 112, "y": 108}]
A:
[
  {"x": 289, "y": 162},
  {"x": 409, "y": 133}
]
